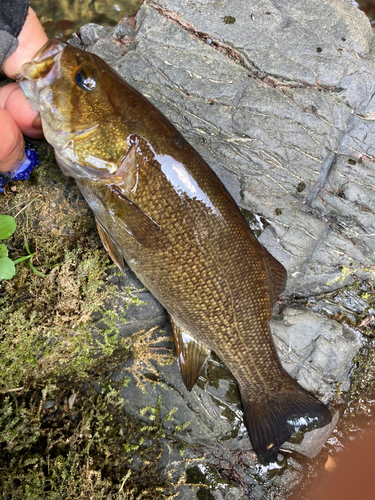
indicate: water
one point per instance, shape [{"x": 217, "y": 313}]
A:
[
  {"x": 368, "y": 7},
  {"x": 61, "y": 18}
]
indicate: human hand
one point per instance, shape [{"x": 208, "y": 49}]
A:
[{"x": 16, "y": 115}]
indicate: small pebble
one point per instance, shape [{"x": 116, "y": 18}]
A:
[
  {"x": 48, "y": 404},
  {"x": 71, "y": 400}
]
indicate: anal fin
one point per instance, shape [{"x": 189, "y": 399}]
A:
[
  {"x": 191, "y": 355},
  {"x": 111, "y": 247}
]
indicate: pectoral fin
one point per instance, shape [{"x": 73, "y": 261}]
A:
[
  {"x": 191, "y": 355},
  {"x": 134, "y": 221},
  {"x": 111, "y": 247}
]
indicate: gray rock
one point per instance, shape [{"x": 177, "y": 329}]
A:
[
  {"x": 313, "y": 441},
  {"x": 316, "y": 351},
  {"x": 47, "y": 405},
  {"x": 137, "y": 309},
  {"x": 110, "y": 42},
  {"x": 91, "y": 33}
]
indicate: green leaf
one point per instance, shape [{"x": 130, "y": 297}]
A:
[
  {"x": 36, "y": 270},
  {"x": 3, "y": 250},
  {"x": 7, "y": 269},
  {"x": 7, "y": 226},
  {"x": 21, "y": 259}
]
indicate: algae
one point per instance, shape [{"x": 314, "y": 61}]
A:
[{"x": 256, "y": 222}]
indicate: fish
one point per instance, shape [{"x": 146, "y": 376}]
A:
[{"x": 161, "y": 209}]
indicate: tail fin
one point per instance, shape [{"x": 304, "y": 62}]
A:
[{"x": 271, "y": 420}]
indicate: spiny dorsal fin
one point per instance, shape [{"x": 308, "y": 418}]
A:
[
  {"x": 276, "y": 275},
  {"x": 191, "y": 355},
  {"x": 111, "y": 247}
]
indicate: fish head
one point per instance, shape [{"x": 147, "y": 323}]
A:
[{"x": 74, "y": 91}]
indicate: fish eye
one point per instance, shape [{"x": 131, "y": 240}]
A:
[{"x": 86, "y": 77}]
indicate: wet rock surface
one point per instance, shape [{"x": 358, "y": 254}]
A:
[
  {"x": 277, "y": 98},
  {"x": 316, "y": 351},
  {"x": 313, "y": 441}
]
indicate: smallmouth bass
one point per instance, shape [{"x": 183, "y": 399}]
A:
[{"x": 159, "y": 206}]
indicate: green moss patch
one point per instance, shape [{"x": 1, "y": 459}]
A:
[{"x": 77, "y": 444}]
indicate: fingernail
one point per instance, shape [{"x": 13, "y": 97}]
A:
[{"x": 19, "y": 162}]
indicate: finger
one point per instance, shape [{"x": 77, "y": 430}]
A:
[
  {"x": 31, "y": 38},
  {"x": 26, "y": 118},
  {"x": 5, "y": 91},
  {"x": 12, "y": 146}
]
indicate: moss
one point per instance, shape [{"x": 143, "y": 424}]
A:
[
  {"x": 360, "y": 399},
  {"x": 256, "y": 222},
  {"x": 229, "y": 19},
  {"x": 59, "y": 437},
  {"x": 143, "y": 353},
  {"x": 84, "y": 450}
]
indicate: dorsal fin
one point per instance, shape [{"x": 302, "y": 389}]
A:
[
  {"x": 276, "y": 275},
  {"x": 191, "y": 355}
]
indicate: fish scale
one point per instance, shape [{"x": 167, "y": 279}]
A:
[{"x": 160, "y": 207}]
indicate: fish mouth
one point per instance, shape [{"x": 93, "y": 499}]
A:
[
  {"x": 36, "y": 80},
  {"x": 41, "y": 64},
  {"x": 41, "y": 71}
]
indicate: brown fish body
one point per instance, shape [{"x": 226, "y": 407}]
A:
[
  {"x": 206, "y": 267},
  {"x": 161, "y": 208}
]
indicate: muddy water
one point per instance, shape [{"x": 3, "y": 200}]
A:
[
  {"x": 349, "y": 474},
  {"x": 345, "y": 467},
  {"x": 61, "y": 18}
]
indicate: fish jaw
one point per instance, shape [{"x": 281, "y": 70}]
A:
[
  {"x": 35, "y": 80},
  {"x": 41, "y": 71}
]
